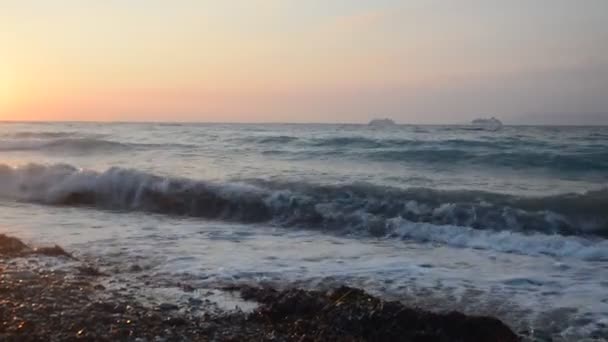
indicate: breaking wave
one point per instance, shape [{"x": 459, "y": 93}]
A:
[
  {"x": 502, "y": 241},
  {"x": 357, "y": 206},
  {"x": 555, "y": 225}
]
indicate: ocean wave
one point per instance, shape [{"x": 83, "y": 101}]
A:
[
  {"x": 363, "y": 142},
  {"x": 502, "y": 241},
  {"x": 78, "y": 145},
  {"x": 43, "y": 135},
  {"x": 362, "y": 208},
  {"x": 281, "y": 139},
  {"x": 358, "y": 142},
  {"x": 497, "y": 152},
  {"x": 63, "y": 145},
  {"x": 595, "y": 161},
  {"x": 584, "y": 161}
]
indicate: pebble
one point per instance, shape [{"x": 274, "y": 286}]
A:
[{"x": 64, "y": 309}]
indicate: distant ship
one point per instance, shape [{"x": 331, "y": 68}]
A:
[
  {"x": 382, "y": 123},
  {"x": 491, "y": 124}
]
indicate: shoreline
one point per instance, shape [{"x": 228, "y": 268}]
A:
[{"x": 49, "y": 295}]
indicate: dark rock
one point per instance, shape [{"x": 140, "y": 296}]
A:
[
  {"x": 109, "y": 307},
  {"x": 351, "y": 314},
  {"x": 90, "y": 271},
  {"x": 168, "y": 307},
  {"x": 54, "y": 251},
  {"x": 175, "y": 321},
  {"x": 10, "y": 245}
]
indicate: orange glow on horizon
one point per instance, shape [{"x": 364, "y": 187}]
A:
[{"x": 293, "y": 61}]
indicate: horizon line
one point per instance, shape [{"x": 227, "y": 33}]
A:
[{"x": 277, "y": 123}]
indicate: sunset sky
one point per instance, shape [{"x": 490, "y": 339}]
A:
[{"x": 419, "y": 61}]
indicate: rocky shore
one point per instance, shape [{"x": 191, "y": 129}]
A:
[{"x": 48, "y": 295}]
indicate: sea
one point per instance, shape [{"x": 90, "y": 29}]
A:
[{"x": 510, "y": 223}]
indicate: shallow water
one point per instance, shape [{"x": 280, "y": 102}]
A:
[{"x": 507, "y": 223}]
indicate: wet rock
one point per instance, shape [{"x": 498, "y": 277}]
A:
[
  {"x": 175, "y": 321},
  {"x": 90, "y": 271},
  {"x": 108, "y": 307},
  {"x": 10, "y": 245},
  {"x": 56, "y": 306},
  {"x": 168, "y": 307},
  {"x": 54, "y": 251},
  {"x": 351, "y": 314}
]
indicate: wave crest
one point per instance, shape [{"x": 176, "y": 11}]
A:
[{"x": 354, "y": 207}]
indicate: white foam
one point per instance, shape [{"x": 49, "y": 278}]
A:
[{"x": 502, "y": 241}]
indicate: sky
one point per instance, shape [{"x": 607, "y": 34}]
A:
[{"x": 416, "y": 61}]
